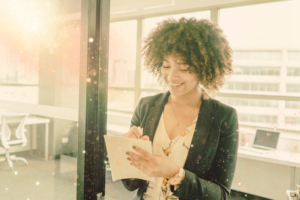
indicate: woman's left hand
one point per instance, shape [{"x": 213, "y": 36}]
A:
[{"x": 153, "y": 165}]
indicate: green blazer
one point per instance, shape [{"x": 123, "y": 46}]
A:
[{"x": 211, "y": 160}]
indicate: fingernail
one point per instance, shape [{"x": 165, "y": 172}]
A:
[
  {"x": 127, "y": 153},
  {"x": 128, "y": 158},
  {"x": 133, "y": 147}
]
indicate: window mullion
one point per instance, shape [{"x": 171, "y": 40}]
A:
[
  {"x": 214, "y": 15},
  {"x": 138, "y": 62}
]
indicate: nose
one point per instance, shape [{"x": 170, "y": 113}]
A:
[{"x": 173, "y": 74}]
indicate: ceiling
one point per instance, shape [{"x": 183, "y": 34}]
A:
[
  {"x": 126, "y": 9},
  {"x": 70, "y": 9},
  {"x": 130, "y": 8}
]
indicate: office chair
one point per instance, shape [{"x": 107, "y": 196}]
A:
[
  {"x": 293, "y": 194},
  {"x": 5, "y": 136}
]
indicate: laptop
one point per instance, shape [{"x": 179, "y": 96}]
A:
[{"x": 264, "y": 141}]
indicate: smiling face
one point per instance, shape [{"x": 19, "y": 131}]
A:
[{"x": 180, "y": 80}]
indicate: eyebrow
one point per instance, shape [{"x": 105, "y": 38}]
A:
[{"x": 178, "y": 63}]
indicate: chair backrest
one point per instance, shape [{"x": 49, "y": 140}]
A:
[{"x": 5, "y": 132}]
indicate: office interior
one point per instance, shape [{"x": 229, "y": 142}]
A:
[{"x": 40, "y": 45}]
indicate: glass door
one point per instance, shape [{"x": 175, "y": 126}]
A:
[
  {"x": 54, "y": 79},
  {"x": 39, "y": 64}
]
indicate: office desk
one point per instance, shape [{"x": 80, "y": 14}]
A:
[
  {"x": 36, "y": 121},
  {"x": 32, "y": 121},
  {"x": 267, "y": 175}
]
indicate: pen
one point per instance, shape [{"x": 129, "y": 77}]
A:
[
  {"x": 141, "y": 131},
  {"x": 137, "y": 136}
]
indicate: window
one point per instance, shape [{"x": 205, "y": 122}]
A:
[
  {"x": 292, "y": 104},
  {"x": 294, "y": 55},
  {"x": 122, "y": 65},
  {"x": 265, "y": 113},
  {"x": 17, "y": 65},
  {"x": 19, "y": 76},
  {"x": 258, "y": 119},
  {"x": 260, "y": 49},
  {"x": 293, "y": 71},
  {"x": 293, "y": 88},
  {"x": 124, "y": 92},
  {"x": 122, "y": 53},
  {"x": 256, "y": 71},
  {"x": 121, "y": 100},
  {"x": 257, "y": 55},
  {"x": 249, "y": 102},
  {"x": 292, "y": 120},
  {"x": 260, "y": 87}
]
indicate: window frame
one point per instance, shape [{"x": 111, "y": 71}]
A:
[{"x": 214, "y": 13}]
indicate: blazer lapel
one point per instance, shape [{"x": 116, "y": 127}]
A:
[
  {"x": 154, "y": 115},
  {"x": 202, "y": 129}
]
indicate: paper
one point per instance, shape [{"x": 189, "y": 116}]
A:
[{"x": 120, "y": 167}]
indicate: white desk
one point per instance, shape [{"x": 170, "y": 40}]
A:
[
  {"x": 277, "y": 157},
  {"x": 36, "y": 121},
  {"x": 32, "y": 121},
  {"x": 267, "y": 175}
]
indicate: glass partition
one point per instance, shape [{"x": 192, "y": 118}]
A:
[{"x": 39, "y": 79}]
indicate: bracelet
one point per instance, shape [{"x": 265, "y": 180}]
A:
[{"x": 177, "y": 179}]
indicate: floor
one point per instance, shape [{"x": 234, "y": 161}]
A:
[{"x": 42, "y": 180}]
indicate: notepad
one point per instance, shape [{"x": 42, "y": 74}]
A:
[{"x": 120, "y": 167}]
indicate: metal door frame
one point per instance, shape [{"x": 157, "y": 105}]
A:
[{"x": 93, "y": 84}]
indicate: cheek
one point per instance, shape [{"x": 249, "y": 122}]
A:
[
  {"x": 193, "y": 81},
  {"x": 164, "y": 74}
]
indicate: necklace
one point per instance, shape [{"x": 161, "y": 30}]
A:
[{"x": 178, "y": 122}]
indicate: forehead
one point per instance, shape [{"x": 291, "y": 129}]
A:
[{"x": 174, "y": 59}]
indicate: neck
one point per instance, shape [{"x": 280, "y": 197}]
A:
[{"x": 192, "y": 98}]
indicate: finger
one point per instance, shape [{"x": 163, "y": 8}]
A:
[
  {"x": 136, "y": 132},
  {"x": 141, "y": 167},
  {"x": 132, "y": 133},
  {"x": 137, "y": 158},
  {"x": 142, "y": 152},
  {"x": 146, "y": 137},
  {"x": 136, "y": 135}
]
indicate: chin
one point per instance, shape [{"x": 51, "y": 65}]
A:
[{"x": 177, "y": 93}]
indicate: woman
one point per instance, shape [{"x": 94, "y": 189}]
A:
[{"x": 195, "y": 138}]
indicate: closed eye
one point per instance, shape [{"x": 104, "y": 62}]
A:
[{"x": 184, "y": 67}]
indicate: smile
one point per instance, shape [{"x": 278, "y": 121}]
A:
[{"x": 175, "y": 85}]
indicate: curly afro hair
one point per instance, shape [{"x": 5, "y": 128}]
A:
[{"x": 199, "y": 43}]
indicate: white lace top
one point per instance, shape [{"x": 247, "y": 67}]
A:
[{"x": 177, "y": 150}]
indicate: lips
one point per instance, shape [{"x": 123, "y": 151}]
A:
[{"x": 175, "y": 84}]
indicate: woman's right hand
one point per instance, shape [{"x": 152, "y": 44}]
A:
[{"x": 135, "y": 133}]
